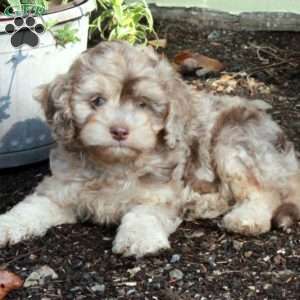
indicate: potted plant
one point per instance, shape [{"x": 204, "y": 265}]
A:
[{"x": 38, "y": 40}]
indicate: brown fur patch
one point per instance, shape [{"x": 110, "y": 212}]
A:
[
  {"x": 234, "y": 116},
  {"x": 281, "y": 142},
  {"x": 204, "y": 187},
  {"x": 128, "y": 88},
  {"x": 286, "y": 215},
  {"x": 193, "y": 164}
]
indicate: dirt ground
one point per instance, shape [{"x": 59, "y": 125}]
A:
[{"x": 205, "y": 262}]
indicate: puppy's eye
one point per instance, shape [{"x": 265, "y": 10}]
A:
[
  {"x": 98, "y": 101},
  {"x": 143, "y": 104}
]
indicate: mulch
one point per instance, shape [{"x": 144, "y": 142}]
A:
[{"x": 205, "y": 262}]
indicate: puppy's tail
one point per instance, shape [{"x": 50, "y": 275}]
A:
[{"x": 286, "y": 215}]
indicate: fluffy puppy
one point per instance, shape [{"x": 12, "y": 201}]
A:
[{"x": 136, "y": 146}]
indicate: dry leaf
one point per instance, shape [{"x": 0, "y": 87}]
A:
[
  {"x": 189, "y": 62},
  {"x": 226, "y": 84},
  {"x": 8, "y": 282}
]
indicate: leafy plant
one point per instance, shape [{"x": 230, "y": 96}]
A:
[
  {"x": 17, "y": 4},
  {"x": 64, "y": 35},
  {"x": 124, "y": 20}
]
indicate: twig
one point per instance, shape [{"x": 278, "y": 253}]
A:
[{"x": 5, "y": 265}]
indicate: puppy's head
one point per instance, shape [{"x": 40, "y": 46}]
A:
[{"x": 117, "y": 101}]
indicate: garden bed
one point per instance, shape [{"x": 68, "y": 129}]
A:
[{"x": 205, "y": 262}]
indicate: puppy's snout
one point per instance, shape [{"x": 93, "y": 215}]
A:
[{"x": 119, "y": 133}]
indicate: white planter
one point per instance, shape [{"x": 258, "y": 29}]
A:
[{"x": 24, "y": 135}]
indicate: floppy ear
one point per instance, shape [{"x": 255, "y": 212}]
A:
[
  {"x": 179, "y": 98},
  {"x": 55, "y": 100},
  {"x": 179, "y": 111}
]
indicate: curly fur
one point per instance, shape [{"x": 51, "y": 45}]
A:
[{"x": 187, "y": 153}]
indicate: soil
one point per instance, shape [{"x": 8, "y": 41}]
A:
[{"x": 205, "y": 262}]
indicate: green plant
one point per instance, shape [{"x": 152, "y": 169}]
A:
[
  {"x": 64, "y": 35},
  {"x": 124, "y": 20},
  {"x": 17, "y": 4}
]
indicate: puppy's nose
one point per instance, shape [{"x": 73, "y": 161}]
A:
[{"x": 119, "y": 133}]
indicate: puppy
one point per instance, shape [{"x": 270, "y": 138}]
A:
[{"x": 137, "y": 146}]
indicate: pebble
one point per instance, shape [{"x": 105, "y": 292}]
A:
[
  {"x": 212, "y": 260},
  {"x": 214, "y": 35},
  {"x": 248, "y": 254},
  {"x": 175, "y": 258},
  {"x": 130, "y": 292},
  {"x": 237, "y": 245},
  {"x": 38, "y": 276},
  {"x": 176, "y": 274},
  {"x": 134, "y": 271},
  {"x": 98, "y": 288}
]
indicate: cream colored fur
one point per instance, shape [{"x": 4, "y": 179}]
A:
[{"x": 178, "y": 142}]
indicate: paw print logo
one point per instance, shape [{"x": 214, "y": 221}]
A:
[{"x": 24, "y": 32}]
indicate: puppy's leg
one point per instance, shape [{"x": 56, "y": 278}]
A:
[
  {"x": 253, "y": 215},
  {"x": 32, "y": 217},
  {"x": 256, "y": 201},
  {"x": 205, "y": 206},
  {"x": 145, "y": 230}
]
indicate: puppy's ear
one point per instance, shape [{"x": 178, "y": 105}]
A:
[
  {"x": 179, "y": 112},
  {"x": 55, "y": 100}
]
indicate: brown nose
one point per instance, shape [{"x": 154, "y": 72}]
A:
[{"x": 119, "y": 133}]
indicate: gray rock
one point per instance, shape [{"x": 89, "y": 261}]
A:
[
  {"x": 214, "y": 35},
  {"x": 175, "y": 258},
  {"x": 98, "y": 288},
  {"x": 38, "y": 276},
  {"x": 176, "y": 274}
]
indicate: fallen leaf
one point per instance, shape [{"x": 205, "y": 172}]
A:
[
  {"x": 189, "y": 62},
  {"x": 226, "y": 83},
  {"x": 8, "y": 282}
]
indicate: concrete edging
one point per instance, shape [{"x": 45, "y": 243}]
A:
[{"x": 248, "y": 21}]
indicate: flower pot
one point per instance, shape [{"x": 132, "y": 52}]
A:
[{"x": 24, "y": 135}]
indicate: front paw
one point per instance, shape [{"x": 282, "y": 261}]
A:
[
  {"x": 140, "y": 239},
  {"x": 10, "y": 231}
]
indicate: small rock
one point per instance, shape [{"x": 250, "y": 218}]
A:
[
  {"x": 237, "y": 245},
  {"x": 32, "y": 257},
  {"x": 214, "y": 35},
  {"x": 38, "y": 276},
  {"x": 267, "y": 258},
  {"x": 176, "y": 274},
  {"x": 175, "y": 258},
  {"x": 130, "y": 292},
  {"x": 286, "y": 272},
  {"x": 248, "y": 253},
  {"x": 212, "y": 260},
  {"x": 133, "y": 271},
  {"x": 98, "y": 288},
  {"x": 267, "y": 286}
]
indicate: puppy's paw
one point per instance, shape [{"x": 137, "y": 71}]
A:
[
  {"x": 140, "y": 239},
  {"x": 10, "y": 231},
  {"x": 253, "y": 222}
]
